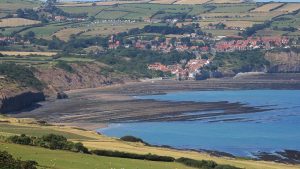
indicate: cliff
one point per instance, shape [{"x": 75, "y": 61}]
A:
[
  {"x": 15, "y": 96},
  {"x": 20, "y": 101},
  {"x": 283, "y": 62},
  {"x": 83, "y": 75}
]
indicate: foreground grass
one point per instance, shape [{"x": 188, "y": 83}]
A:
[{"x": 55, "y": 159}]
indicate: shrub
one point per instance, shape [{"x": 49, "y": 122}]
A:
[
  {"x": 131, "y": 139},
  {"x": 50, "y": 141},
  {"x": 149, "y": 157},
  {"x": 53, "y": 141},
  {"x": 203, "y": 164},
  {"x": 23, "y": 139},
  {"x": 65, "y": 66},
  {"x": 21, "y": 74},
  {"x": 8, "y": 162}
]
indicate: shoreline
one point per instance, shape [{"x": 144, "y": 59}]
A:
[{"x": 85, "y": 106}]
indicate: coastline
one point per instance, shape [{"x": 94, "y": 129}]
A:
[{"x": 112, "y": 99}]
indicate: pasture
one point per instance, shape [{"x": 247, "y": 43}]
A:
[
  {"x": 8, "y": 129},
  {"x": 267, "y": 7},
  {"x": 109, "y": 28},
  {"x": 290, "y": 7},
  {"x": 14, "y": 22},
  {"x": 10, "y": 6},
  {"x": 233, "y": 8},
  {"x": 246, "y": 16},
  {"x": 225, "y": 1},
  {"x": 64, "y": 34},
  {"x": 163, "y": 1},
  {"x": 191, "y": 2},
  {"x": 18, "y": 53},
  {"x": 56, "y": 159},
  {"x": 230, "y": 23}
]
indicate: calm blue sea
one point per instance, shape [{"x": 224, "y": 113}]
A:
[{"x": 269, "y": 131}]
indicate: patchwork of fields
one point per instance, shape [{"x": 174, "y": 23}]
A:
[
  {"x": 14, "y": 22},
  {"x": 232, "y": 13}
]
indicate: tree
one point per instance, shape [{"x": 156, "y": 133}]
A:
[
  {"x": 51, "y": 2},
  {"x": 29, "y": 36}
]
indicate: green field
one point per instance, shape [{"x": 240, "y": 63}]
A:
[
  {"x": 238, "y": 8},
  {"x": 6, "y": 129},
  {"x": 10, "y": 6},
  {"x": 55, "y": 159}
]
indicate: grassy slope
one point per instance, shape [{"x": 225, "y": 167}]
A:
[
  {"x": 55, "y": 159},
  {"x": 96, "y": 141}
]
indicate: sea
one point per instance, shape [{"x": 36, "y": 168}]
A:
[{"x": 276, "y": 129}]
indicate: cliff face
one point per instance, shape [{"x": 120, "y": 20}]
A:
[
  {"x": 85, "y": 75},
  {"x": 283, "y": 62},
  {"x": 20, "y": 101},
  {"x": 15, "y": 96}
]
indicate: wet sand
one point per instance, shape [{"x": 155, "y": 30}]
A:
[{"x": 88, "y": 108}]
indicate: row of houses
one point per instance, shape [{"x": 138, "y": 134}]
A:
[
  {"x": 251, "y": 43},
  {"x": 156, "y": 45},
  {"x": 187, "y": 71},
  {"x": 11, "y": 40}
]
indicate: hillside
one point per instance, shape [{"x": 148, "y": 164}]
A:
[{"x": 64, "y": 159}]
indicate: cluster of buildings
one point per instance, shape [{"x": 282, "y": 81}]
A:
[
  {"x": 12, "y": 40},
  {"x": 251, "y": 43},
  {"x": 183, "y": 72},
  {"x": 63, "y": 18},
  {"x": 165, "y": 46},
  {"x": 8, "y": 40}
]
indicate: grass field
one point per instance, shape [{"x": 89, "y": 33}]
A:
[
  {"x": 163, "y": 1},
  {"x": 246, "y": 16},
  {"x": 267, "y": 7},
  {"x": 269, "y": 32},
  {"x": 10, "y": 6},
  {"x": 7, "y": 129},
  {"x": 65, "y": 34},
  {"x": 14, "y": 22},
  {"x": 107, "y": 29},
  {"x": 55, "y": 159},
  {"x": 191, "y": 2},
  {"x": 230, "y": 8},
  {"x": 225, "y": 1},
  {"x": 290, "y": 7},
  {"x": 222, "y": 32},
  {"x": 17, "y": 53},
  {"x": 229, "y": 23}
]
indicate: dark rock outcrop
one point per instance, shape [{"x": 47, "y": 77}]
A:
[
  {"x": 61, "y": 95},
  {"x": 21, "y": 101}
]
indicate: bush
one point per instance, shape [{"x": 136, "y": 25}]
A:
[
  {"x": 8, "y": 162},
  {"x": 53, "y": 142},
  {"x": 131, "y": 139},
  {"x": 21, "y": 74},
  {"x": 23, "y": 139},
  {"x": 149, "y": 157},
  {"x": 65, "y": 66},
  {"x": 203, "y": 164},
  {"x": 50, "y": 141}
]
